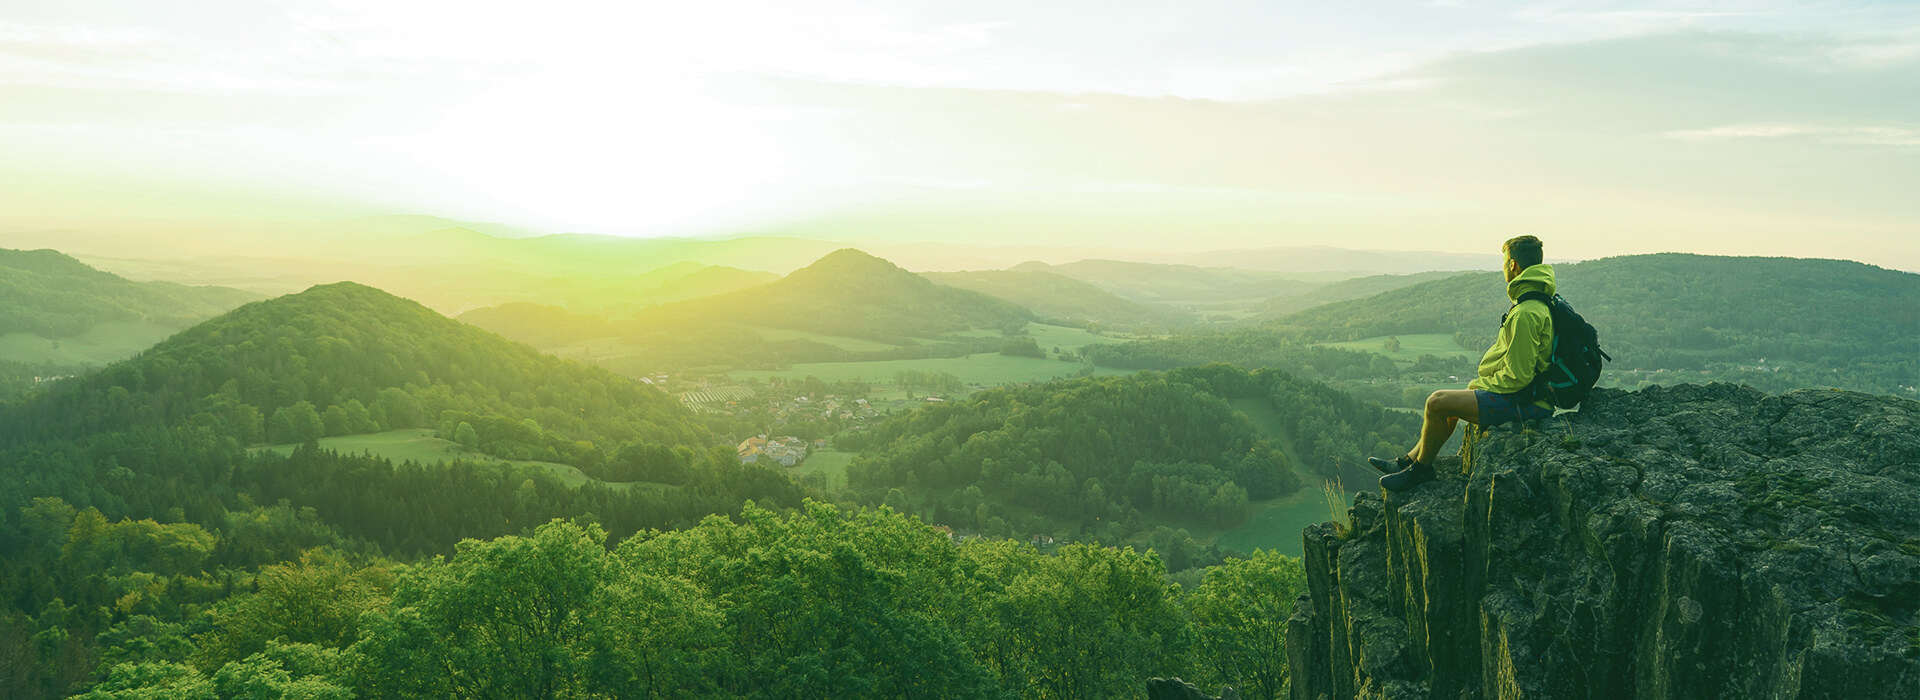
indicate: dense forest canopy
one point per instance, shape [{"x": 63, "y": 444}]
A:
[
  {"x": 817, "y": 602},
  {"x": 1112, "y": 458}
]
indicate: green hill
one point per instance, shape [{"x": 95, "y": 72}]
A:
[
  {"x": 345, "y": 358},
  {"x": 1059, "y": 297},
  {"x": 48, "y": 295},
  {"x": 847, "y": 293}
]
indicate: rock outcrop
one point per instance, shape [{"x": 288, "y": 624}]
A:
[{"x": 1686, "y": 542}]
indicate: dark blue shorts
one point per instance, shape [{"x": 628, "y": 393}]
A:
[{"x": 1500, "y": 409}]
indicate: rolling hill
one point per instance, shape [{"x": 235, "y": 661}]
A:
[
  {"x": 346, "y": 358},
  {"x": 50, "y": 295},
  {"x": 1055, "y": 296}
]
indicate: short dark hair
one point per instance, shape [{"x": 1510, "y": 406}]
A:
[{"x": 1525, "y": 250}]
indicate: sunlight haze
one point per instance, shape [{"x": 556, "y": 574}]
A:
[{"x": 1743, "y": 128}]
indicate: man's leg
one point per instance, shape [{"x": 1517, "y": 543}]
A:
[{"x": 1445, "y": 409}]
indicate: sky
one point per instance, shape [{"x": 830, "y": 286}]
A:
[{"x": 1606, "y": 128}]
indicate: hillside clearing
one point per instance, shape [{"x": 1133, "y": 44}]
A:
[{"x": 419, "y": 445}]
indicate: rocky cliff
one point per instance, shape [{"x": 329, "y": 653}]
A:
[{"x": 1686, "y": 542}]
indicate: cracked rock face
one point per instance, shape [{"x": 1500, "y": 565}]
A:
[{"x": 1686, "y": 542}]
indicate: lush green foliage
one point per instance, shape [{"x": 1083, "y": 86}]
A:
[
  {"x": 1114, "y": 458},
  {"x": 54, "y": 296},
  {"x": 1098, "y": 449},
  {"x": 816, "y": 603}
]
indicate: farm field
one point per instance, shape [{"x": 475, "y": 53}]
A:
[
  {"x": 419, "y": 445},
  {"x": 1276, "y": 523},
  {"x": 986, "y": 369},
  {"x": 99, "y": 345},
  {"x": 831, "y": 465},
  {"x": 1411, "y": 347}
]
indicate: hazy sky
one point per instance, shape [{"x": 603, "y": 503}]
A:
[{"x": 1770, "y": 128}]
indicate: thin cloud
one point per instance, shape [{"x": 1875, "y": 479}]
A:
[{"x": 1855, "y": 135}]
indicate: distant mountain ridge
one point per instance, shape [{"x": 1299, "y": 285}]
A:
[
  {"x": 47, "y": 293},
  {"x": 848, "y": 293},
  {"x": 1346, "y": 289},
  {"x": 1056, "y": 296},
  {"x": 1166, "y": 283}
]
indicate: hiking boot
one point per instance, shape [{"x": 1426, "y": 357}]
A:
[
  {"x": 1408, "y": 478},
  {"x": 1389, "y": 466}
]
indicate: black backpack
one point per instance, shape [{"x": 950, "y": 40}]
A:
[{"x": 1573, "y": 363}]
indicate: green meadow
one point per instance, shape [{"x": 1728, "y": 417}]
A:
[
  {"x": 1275, "y": 524},
  {"x": 831, "y": 465},
  {"x": 419, "y": 445}
]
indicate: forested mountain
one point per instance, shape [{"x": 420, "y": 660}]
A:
[
  {"x": 1675, "y": 311},
  {"x": 1109, "y": 458},
  {"x": 1165, "y": 283},
  {"x": 848, "y": 293},
  {"x": 1058, "y": 297},
  {"x": 1343, "y": 290},
  {"x": 345, "y": 358},
  {"x": 48, "y": 294}
]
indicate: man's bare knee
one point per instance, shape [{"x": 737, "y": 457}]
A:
[{"x": 1444, "y": 403}]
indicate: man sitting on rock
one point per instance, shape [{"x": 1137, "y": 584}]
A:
[{"x": 1526, "y": 338}]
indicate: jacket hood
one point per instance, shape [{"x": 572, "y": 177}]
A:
[{"x": 1534, "y": 278}]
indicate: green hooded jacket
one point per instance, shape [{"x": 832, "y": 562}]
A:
[{"x": 1525, "y": 339}]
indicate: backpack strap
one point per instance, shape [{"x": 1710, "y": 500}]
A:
[
  {"x": 1535, "y": 296},
  {"x": 1524, "y": 298}
]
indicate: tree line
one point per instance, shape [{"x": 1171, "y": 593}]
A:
[{"x": 814, "y": 602}]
